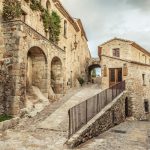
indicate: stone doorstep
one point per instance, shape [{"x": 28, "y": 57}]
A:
[
  {"x": 77, "y": 135},
  {"x": 9, "y": 124}
]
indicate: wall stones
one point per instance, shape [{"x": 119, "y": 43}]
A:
[{"x": 137, "y": 79}]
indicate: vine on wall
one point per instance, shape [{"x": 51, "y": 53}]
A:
[
  {"x": 51, "y": 21},
  {"x": 54, "y": 28},
  {"x": 35, "y": 5},
  {"x": 11, "y": 10}
]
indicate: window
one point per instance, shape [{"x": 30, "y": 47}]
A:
[
  {"x": 23, "y": 16},
  {"x": 64, "y": 48},
  {"x": 48, "y": 4},
  {"x": 146, "y": 106},
  {"x": 116, "y": 52},
  {"x": 65, "y": 28},
  {"x": 143, "y": 77}
]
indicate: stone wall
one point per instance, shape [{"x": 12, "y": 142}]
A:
[
  {"x": 2, "y": 82},
  {"x": 20, "y": 42},
  {"x": 76, "y": 58},
  {"x": 111, "y": 115},
  {"x": 134, "y": 83},
  {"x": 20, "y": 39}
]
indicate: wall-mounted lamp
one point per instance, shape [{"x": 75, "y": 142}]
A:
[{"x": 75, "y": 43}]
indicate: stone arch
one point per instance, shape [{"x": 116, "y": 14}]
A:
[
  {"x": 57, "y": 75},
  {"x": 36, "y": 69},
  {"x": 90, "y": 68}
]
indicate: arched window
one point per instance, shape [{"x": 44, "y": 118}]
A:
[
  {"x": 65, "y": 28},
  {"x": 48, "y": 4}
]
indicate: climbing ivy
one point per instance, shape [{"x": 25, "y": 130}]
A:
[
  {"x": 52, "y": 25},
  {"x": 35, "y": 5},
  {"x": 55, "y": 27},
  {"x": 51, "y": 21},
  {"x": 11, "y": 9},
  {"x": 46, "y": 17}
]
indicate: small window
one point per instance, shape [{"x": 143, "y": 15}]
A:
[
  {"x": 65, "y": 28},
  {"x": 23, "y": 16},
  {"x": 145, "y": 59},
  {"x": 116, "y": 52},
  {"x": 143, "y": 77},
  {"x": 146, "y": 106},
  {"x": 48, "y": 5},
  {"x": 64, "y": 48}
]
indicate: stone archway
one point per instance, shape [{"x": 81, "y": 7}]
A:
[
  {"x": 90, "y": 69},
  {"x": 36, "y": 69},
  {"x": 57, "y": 75}
]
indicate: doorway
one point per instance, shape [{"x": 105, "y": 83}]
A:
[
  {"x": 126, "y": 107},
  {"x": 115, "y": 76}
]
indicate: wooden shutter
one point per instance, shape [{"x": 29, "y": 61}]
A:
[
  {"x": 125, "y": 70},
  {"x": 105, "y": 71}
]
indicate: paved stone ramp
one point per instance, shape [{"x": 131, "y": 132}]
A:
[
  {"x": 131, "y": 135},
  {"x": 31, "y": 134},
  {"x": 61, "y": 115}
]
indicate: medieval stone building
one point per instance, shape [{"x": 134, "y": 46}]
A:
[
  {"x": 30, "y": 62},
  {"x": 126, "y": 60}
]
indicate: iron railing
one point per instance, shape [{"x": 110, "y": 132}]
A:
[{"x": 80, "y": 114}]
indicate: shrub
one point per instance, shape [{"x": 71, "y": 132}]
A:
[
  {"x": 35, "y": 5},
  {"x": 5, "y": 117},
  {"x": 81, "y": 80},
  {"x": 11, "y": 9}
]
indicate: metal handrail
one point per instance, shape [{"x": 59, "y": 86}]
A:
[{"x": 80, "y": 114}]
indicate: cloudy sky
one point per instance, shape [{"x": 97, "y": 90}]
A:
[{"x": 106, "y": 19}]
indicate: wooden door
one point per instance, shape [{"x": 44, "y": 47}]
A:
[{"x": 115, "y": 76}]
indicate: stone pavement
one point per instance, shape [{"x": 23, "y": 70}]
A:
[
  {"x": 48, "y": 130},
  {"x": 61, "y": 114},
  {"x": 131, "y": 135}
]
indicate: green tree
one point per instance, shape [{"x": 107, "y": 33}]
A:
[
  {"x": 52, "y": 25},
  {"x": 93, "y": 73},
  {"x": 11, "y": 9},
  {"x": 55, "y": 27}
]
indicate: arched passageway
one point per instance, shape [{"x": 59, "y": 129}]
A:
[
  {"x": 94, "y": 72},
  {"x": 57, "y": 75},
  {"x": 36, "y": 69}
]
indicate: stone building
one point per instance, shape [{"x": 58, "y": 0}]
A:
[
  {"x": 33, "y": 62},
  {"x": 126, "y": 60}
]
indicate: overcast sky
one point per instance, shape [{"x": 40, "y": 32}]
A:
[{"x": 106, "y": 19}]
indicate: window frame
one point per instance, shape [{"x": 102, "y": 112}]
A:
[
  {"x": 146, "y": 106},
  {"x": 65, "y": 28},
  {"x": 116, "y": 52}
]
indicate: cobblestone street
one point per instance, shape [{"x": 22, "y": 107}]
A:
[
  {"x": 48, "y": 130},
  {"x": 131, "y": 135}
]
